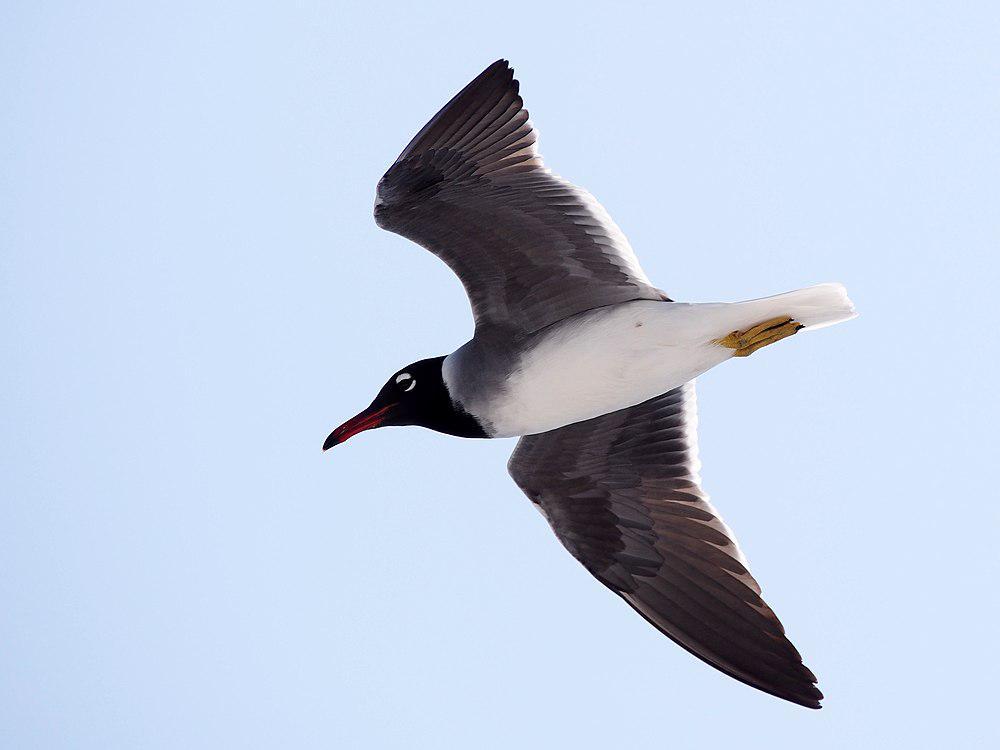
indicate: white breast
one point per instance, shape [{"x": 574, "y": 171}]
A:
[{"x": 602, "y": 361}]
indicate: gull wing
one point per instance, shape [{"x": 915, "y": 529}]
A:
[
  {"x": 623, "y": 495},
  {"x": 529, "y": 247}
]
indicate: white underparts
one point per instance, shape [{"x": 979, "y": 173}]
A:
[{"x": 611, "y": 358}]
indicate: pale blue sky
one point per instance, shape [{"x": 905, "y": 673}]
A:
[{"x": 193, "y": 293}]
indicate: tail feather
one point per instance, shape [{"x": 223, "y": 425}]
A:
[{"x": 814, "y": 307}]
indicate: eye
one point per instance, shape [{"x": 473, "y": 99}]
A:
[{"x": 405, "y": 381}]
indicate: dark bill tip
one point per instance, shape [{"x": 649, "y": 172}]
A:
[{"x": 366, "y": 420}]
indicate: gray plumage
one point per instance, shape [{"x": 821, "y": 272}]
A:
[
  {"x": 623, "y": 495},
  {"x": 530, "y": 248}
]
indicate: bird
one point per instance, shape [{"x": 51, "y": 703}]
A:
[{"x": 575, "y": 352}]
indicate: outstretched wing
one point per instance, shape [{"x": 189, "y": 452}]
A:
[
  {"x": 529, "y": 247},
  {"x": 623, "y": 495}
]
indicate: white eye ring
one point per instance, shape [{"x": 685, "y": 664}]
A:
[{"x": 403, "y": 377}]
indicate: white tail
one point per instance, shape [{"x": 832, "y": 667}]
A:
[{"x": 814, "y": 307}]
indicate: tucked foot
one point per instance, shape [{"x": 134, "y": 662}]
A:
[{"x": 747, "y": 342}]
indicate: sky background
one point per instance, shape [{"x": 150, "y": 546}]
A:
[{"x": 193, "y": 293}]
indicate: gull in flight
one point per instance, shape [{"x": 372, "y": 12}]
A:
[{"x": 577, "y": 352}]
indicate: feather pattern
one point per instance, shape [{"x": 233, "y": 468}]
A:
[
  {"x": 530, "y": 248},
  {"x": 622, "y": 493}
]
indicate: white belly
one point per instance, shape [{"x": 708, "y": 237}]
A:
[{"x": 606, "y": 360}]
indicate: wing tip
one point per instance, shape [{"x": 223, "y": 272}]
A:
[
  {"x": 500, "y": 69},
  {"x": 809, "y": 695},
  {"x": 505, "y": 72},
  {"x": 813, "y": 703},
  {"x": 496, "y": 80},
  {"x": 802, "y": 692}
]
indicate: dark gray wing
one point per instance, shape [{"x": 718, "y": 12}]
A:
[
  {"x": 529, "y": 247},
  {"x": 623, "y": 495}
]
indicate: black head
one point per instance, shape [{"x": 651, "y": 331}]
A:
[{"x": 416, "y": 395}]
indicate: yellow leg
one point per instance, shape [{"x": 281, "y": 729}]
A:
[{"x": 747, "y": 342}]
